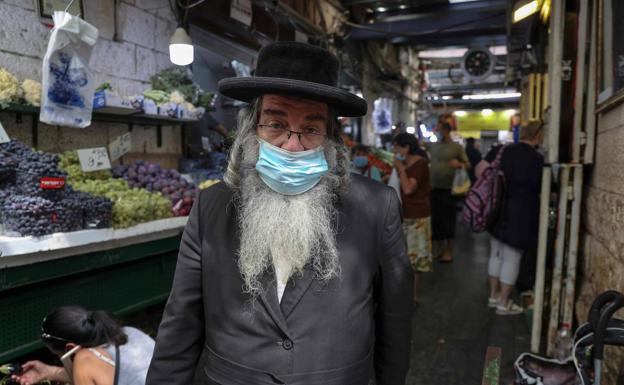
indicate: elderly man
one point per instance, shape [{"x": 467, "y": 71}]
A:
[{"x": 294, "y": 271}]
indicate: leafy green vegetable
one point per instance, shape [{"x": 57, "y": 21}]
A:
[
  {"x": 104, "y": 86},
  {"x": 179, "y": 79}
]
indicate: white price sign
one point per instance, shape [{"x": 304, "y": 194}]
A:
[
  {"x": 120, "y": 146},
  {"x": 4, "y": 137},
  {"x": 94, "y": 159},
  {"x": 241, "y": 10}
]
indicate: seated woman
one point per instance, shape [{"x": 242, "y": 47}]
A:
[
  {"x": 88, "y": 343},
  {"x": 361, "y": 165}
]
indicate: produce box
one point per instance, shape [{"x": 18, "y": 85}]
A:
[
  {"x": 111, "y": 102},
  {"x": 170, "y": 110}
]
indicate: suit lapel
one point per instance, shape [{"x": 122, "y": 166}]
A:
[
  {"x": 269, "y": 299},
  {"x": 297, "y": 286}
]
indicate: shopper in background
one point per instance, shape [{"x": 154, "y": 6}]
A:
[
  {"x": 359, "y": 155},
  {"x": 474, "y": 156},
  {"x": 446, "y": 157},
  {"x": 94, "y": 336},
  {"x": 413, "y": 172},
  {"x": 516, "y": 229},
  {"x": 294, "y": 270}
]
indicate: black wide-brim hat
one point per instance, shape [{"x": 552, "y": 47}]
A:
[{"x": 297, "y": 69}]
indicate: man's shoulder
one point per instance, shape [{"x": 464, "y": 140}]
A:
[
  {"x": 216, "y": 195},
  {"x": 367, "y": 190}
]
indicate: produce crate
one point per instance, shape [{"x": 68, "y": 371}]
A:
[{"x": 122, "y": 280}]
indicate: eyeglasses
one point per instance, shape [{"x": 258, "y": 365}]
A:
[{"x": 310, "y": 137}]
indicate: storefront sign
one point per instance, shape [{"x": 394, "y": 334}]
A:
[
  {"x": 51, "y": 183},
  {"x": 4, "y": 137},
  {"x": 93, "y": 159},
  {"x": 120, "y": 146},
  {"x": 241, "y": 10}
]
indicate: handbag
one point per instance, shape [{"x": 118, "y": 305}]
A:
[
  {"x": 461, "y": 182},
  {"x": 395, "y": 183}
]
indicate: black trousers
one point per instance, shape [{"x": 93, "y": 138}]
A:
[{"x": 443, "y": 214}]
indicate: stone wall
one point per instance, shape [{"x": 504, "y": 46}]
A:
[
  {"x": 602, "y": 236},
  {"x": 125, "y": 55}
]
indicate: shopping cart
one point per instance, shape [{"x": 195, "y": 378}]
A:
[{"x": 584, "y": 367}]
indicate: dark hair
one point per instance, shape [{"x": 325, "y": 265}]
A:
[
  {"x": 410, "y": 140},
  {"x": 360, "y": 148},
  {"x": 446, "y": 126},
  {"x": 470, "y": 142},
  {"x": 80, "y": 326}
]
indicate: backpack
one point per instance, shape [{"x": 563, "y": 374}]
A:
[{"x": 482, "y": 204}]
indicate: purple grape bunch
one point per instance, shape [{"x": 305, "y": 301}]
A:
[
  {"x": 154, "y": 178},
  {"x": 29, "y": 215}
]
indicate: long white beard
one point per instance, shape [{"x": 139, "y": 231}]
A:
[{"x": 287, "y": 232}]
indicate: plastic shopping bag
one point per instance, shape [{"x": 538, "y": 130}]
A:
[
  {"x": 68, "y": 83},
  {"x": 461, "y": 182},
  {"x": 395, "y": 183}
]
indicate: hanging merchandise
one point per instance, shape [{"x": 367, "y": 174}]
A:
[
  {"x": 382, "y": 116},
  {"x": 68, "y": 82}
]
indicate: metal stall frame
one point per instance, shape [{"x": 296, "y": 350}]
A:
[
  {"x": 579, "y": 136},
  {"x": 554, "y": 89},
  {"x": 573, "y": 244},
  {"x": 557, "y": 272},
  {"x": 540, "y": 277}
]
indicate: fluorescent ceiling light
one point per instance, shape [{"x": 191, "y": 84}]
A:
[
  {"x": 460, "y": 113},
  {"x": 487, "y": 112},
  {"x": 525, "y": 11},
  {"x": 492, "y": 96},
  {"x": 510, "y": 113},
  {"x": 402, "y": 6},
  {"x": 382, "y": 9},
  {"x": 447, "y": 97},
  {"x": 423, "y": 127},
  {"x": 460, "y": 1},
  {"x": 411, "y": 130}
]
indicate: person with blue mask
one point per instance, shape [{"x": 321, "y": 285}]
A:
[
  {"x": 361, "y": 165},
  {"x": 295, "y": 270}
]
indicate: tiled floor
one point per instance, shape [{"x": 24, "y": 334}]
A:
[{"x": 453, "y": 326}]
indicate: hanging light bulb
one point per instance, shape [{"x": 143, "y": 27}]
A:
[{"x": 181, "y": 48}]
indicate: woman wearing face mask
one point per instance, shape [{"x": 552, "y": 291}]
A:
[
  {"x": 360, "y": 163},
  {"x": 413, "y": 171},
  {"x": 94, "y": 349}
]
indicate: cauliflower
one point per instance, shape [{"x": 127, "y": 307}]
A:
[
  {"x": 189, "y": 107},
  {"x": 176, "y": 97},
  {"x": 32, "y": 92},
  {"x": 10, "y": 90}
]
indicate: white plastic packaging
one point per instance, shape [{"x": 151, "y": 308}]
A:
[{"x": 68, "y": 83}]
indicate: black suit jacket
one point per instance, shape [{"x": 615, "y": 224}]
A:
[{"x": 352, "y": 330}]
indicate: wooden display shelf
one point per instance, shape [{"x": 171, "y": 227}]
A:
[{"x": 131, "y": 118}]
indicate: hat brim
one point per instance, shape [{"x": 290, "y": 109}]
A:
[{"x": 248, "y": 88}]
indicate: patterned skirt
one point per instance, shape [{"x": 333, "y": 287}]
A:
[{"x": 418, "y": 236}]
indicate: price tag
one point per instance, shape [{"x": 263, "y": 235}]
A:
[
  {"x": 94, "y": 159},
  {"x": 51, "y": 183},
  {"x": 120, "y": 146},
  {"x": 4, "y": 137}
]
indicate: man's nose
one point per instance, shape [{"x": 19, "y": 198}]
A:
[{"x": 293, "y": 144}]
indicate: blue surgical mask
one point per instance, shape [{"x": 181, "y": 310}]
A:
[
  {"x": 400, "y": 157},
  {"x": 360, "y": 161},
  {"x": 290, "y": 173}
]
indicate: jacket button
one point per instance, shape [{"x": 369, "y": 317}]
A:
[{"x": 287, "y": 344}]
